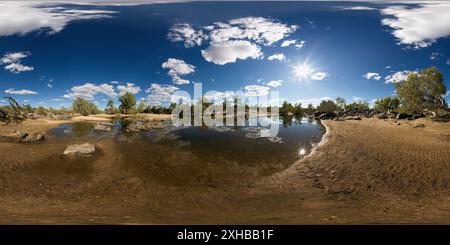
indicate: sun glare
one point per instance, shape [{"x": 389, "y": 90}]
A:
[{"x": 302, "y": 71}]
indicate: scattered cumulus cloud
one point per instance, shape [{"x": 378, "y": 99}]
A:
[
  {"x": 256, "y": 90},
  {"x": 372, "y": 75},
  {"x": 184, "y": 32},
  {"x": 435, "y": 55},
  {"x": 12, "y": 62},
  {"x": 313, "y": 101},
  {"x": 129, "y": 87},
  {"x": 22, "y": 17},
  {"x": 237, "y": 39},
  {"x": 277, "y": 56},
  {"x": 178, "y": 68},
  {"x": 320, "y": 75},
  {"x": 366, "y": 8},
  {"x": 275, "y": 83},
  {"x": 397, "y": 77},
  {"x": 225, "y": 52},
  {"x": 160, "y": 94},
  {"x": 418, "y": 27},
  {"x": 88, "y": 91},
  {"x": 20, "y": 92},
  {"x": 298, "y": 44}
]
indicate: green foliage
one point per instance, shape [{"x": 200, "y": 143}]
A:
[
  {"x": 83, "y": 107},
  {"x": 340, "y": 103},
  {"x": 128, "y": 102},
  {"x": 327, "y": 106},
  {"x": 310, "y": 109},
  {"x": 110, "y": 109},
  {"x": 387, "y": 104},
  {"x": 286, "y": 108},
  {"x": 423, "y": 90},
  {"x": 358, "y": 106}
]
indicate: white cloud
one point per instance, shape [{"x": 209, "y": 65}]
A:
[
  {"x": 372, "y": 75},
  {"x": 388, "y": 67},
  {"x": 256, "y": 90},
  {"x": 320, "y": 75},
  {"x": 18, "y": 68},
  {"x": 356, "y": 98},
  {"x": 229, "y": 51},
  {"x": 114, "y": 82},
  {"x": 448, "y": 62},
  {"x": 435, "y": 55},
  {"x": 20, "y": 92},
  {"x": 49, "y": 85},
  {"x": 184, "y": 32},
  {"x": 296, "y": 43},
  {"x": 160, "y": 94},
  {"x": 219, "y": 97},
  {"x": 420, "y": 26},
  {"x": 300, "y": 45},
  {"x": 233, "y": 40},
  {"x": 358, "y": 8},
  {"x": 288, "y": 43},
  {"x": 275, "y": 83},
  {"x": 130, "y": 88},
  {"x": 313, "y": 101},
  {"x": 12, "y": 62},
  {"x": 178, "y": 68},
  {"x": 277, "y": 56},
  {"x": 88, "y": 91},
  {"x": 397, "y": 77},
  {"x": 21, "y": 17}
]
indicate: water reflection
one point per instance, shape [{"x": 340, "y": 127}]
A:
[{"x": 208, "y": 146}]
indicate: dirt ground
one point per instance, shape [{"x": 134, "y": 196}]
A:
[{"x": 369, "y": 171}]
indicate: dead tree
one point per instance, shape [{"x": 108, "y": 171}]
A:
[{"x": 17, "y": 111}]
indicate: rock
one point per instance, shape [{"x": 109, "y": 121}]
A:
[
  {"x": 352, "y": 118},
  {"x": 34, "y": 137},
  {"x": 420, "y": 125},
  {"x": 101, "y": 127},
  {"x": 21, "y": 135},
  {"x": 327, "y": 115},
  {"x": 403, "y": 115},
  {"x": 85, "y": 148}
]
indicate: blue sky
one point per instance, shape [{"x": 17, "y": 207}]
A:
[{"x": 308, "y": 51}]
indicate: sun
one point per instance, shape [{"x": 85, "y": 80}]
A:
[{"x": 302, "y": 71}]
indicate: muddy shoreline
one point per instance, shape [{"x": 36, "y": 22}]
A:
[{"x": 369, "y": 171}]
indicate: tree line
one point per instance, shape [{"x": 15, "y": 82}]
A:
[{"x": 420, "y": 92}]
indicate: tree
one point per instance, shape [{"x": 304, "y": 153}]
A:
[
  {"x": 327, "y": 106},
  {"x": 286, "y": 108},
  {"x": 110, "y": 109},
  {"x": 387, "y": 104},
  {"x": 423, "y": 90},
  {"x": 128, "y": 101},
  {"x": 310, "y": 109},
  {"x": 340, "y": 102},
  {"x": 141, "y": 107},
  {"x": 358, "y": 106},
  {"x": 83, "y": 107}
]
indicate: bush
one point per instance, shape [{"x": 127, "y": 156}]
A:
[
  {"x": 84, "y": 107},
  {"x": 327, "y": 106}
]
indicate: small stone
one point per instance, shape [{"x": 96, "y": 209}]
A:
[
  {"x": 85, "y": 148},
  {"x": 421, "y": 125}
]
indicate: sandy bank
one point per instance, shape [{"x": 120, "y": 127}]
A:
[{"x": 376, "y": 156}]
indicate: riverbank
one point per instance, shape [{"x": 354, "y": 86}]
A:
[{"x": 368, "y": 171}]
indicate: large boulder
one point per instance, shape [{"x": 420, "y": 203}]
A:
[
  {"x": 327, "y": 115},
  {"x": 403, "y": 115},
  {"x": 85, "y": 148},
  {"x": 102, "y": 127},
  {"x": 34, "y": 137},
  {"x": 352, "y": 118}
]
